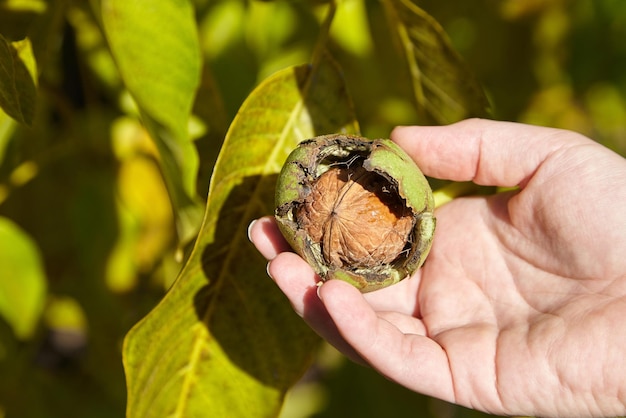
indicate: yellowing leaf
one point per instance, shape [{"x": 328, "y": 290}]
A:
[
  {"x": 145, "y": 223},
  {"x": 224, "y": 341},
  {"x": 22, "y": 280},
  {"x": 443, "y": 87}
]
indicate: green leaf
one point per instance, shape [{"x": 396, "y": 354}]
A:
[
  {"x": 156, "y": 48},
  {"x": 352, "y": 14},
  {"x": 22, "y": 280},
  {"x": 224, "y": 341},
  {"x": 443, "y": 87},
  {"x": 18, "y": 75},
  {"x": 7, "y": 127}
]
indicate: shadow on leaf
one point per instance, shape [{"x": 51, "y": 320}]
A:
[{"x": 242, "y": 308}]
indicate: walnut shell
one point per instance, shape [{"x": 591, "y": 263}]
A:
[{"x": 355, "y": 209}]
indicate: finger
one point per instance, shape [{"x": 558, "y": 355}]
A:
[
  {"x": 412, "y": 360},
  {"x": 294, "y": 277},
  {"x": 299, "y": 283},
  {"x": 484, "y": 151},
  {"x": 406, "y": 324},
  {"x": 401, "y": 297},
  {"x": 266, "y": 236}
]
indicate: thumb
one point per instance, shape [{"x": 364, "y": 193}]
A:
[
  {"x": 486, "y": 152},
  {"x": 412, "y": 360}
]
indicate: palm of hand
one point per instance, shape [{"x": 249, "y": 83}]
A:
[
  {"x": 522, "y": 331},
  {"x": 519, "y": 300},
  {"x": 518, "y": 307}
]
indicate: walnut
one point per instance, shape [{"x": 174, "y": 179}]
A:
[
  {"x": 355, "y": 209},
  {"x": 357, "y": 217}
]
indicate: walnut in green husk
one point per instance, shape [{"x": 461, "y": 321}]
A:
[{"x": 355, "y": 209}]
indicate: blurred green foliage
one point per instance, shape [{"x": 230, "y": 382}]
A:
[{"x": 83, "y": 190}]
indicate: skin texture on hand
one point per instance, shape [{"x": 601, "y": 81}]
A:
[{"x": 520, "y": 308}]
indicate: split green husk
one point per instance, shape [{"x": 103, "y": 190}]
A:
[{"x": 356, "y": 209}]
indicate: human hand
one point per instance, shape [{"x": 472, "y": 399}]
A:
[{"x": 520, "y": 308}]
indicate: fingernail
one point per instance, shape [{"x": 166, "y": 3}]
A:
[
  {"x": 319, "y": 286},
  {"x": 267, "y": 269},
  {"x": 250, "y": 228}
]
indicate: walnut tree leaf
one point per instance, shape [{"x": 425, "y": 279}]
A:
[
  {"x": 156, "y": 48},
  {"x": 18, "y": 78},
  {"x": 23, "y": 283},
  {"x": 224, "y": 341},
  {"x": 443, "y": 87}
]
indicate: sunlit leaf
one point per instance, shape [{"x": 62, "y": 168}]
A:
[
  {"x": 145, "y": 223},
  {"x": 270, "y": 25},
  {"x": 353, "y": 15},
  {"x": 444, "y": 88},
  {"x": 35, "y": 6},
  {"x": 222, "y": 27},
  {"x": 22, "y": 280},
  {"x": 224, "y": 341},
  {"x": 18, "y": 88},
  {"x": 155, "y": 45},
  {"x": 65, "y": 313},
  {"x": 7, "y": 126}
]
